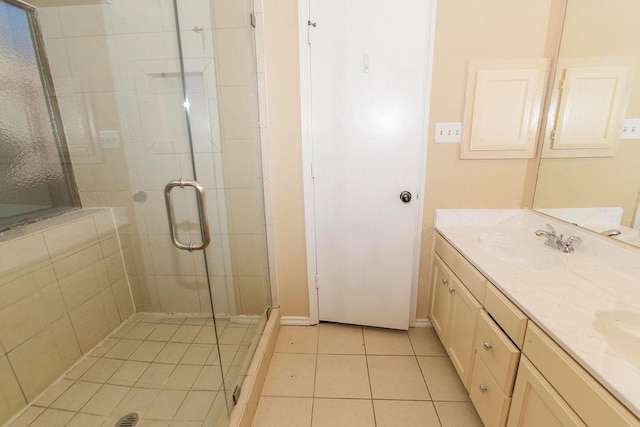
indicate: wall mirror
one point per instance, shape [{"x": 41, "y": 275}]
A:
[{"x": 589, "y": 172}]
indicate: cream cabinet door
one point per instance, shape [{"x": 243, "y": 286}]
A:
[
  {"x": 440, "y": 298},
  {"x": 463, "y": 316},
  {"x": 535, "y": 403}
]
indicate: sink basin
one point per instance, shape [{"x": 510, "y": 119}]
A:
[
  {"x": 622, "y": 331},
  {"x": 517, "y": 250}
]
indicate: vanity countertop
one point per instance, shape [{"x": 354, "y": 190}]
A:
[{"x": 588, "y": 301}]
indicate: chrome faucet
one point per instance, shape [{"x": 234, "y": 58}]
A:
[
  {"x": 610, "y": 233},
  {"x": 556, "y": 242}
]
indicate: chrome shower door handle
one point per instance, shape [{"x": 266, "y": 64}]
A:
[{"x": 202, "y": 211}]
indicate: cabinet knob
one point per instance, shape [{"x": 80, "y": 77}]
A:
[
  {"x": 445, "y": 281},
  {"x": 451, "y": 290},
  {"x": 487, "y": 346},
  {"x": 482, "y": 388}
]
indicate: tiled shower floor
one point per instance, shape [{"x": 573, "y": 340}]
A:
[{"x": 164, "y": 367}]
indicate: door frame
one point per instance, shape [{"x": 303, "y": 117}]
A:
[{"x": 307, "y": 158}]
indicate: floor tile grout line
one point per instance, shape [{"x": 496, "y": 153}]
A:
[
  {"x": 315, "y": 377},
  {"x": 366, "y": 359}
]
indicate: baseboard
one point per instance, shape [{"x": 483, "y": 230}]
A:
[
  {"x": 295, "y": 321},
  {"x": 423, "y": 323}
]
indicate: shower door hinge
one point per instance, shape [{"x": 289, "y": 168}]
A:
[
  {"x": 252, "y": 19},
  {"x": 317, "y": 281}
]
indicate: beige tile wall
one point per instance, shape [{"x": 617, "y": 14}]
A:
[
  {"x": 63, "y": 288},
  {"x": 116, "y": 68}
]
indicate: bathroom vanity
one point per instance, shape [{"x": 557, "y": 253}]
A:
[{"x": 538, "y": 336}]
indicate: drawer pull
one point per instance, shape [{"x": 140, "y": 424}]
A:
[
  {"x": 482, "y": 388},
  {"x": 451, "y": 290},
  {"x": 445, "y": 282},
  {"x": 487, "y": 346}
]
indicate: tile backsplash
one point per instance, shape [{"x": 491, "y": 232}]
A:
[{"x": 63, "y": 288}]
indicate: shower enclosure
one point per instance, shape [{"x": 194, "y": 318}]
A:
[{"x": 147, "y": 93}]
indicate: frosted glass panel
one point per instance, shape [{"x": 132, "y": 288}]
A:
[{"x": 33, "y": 178}]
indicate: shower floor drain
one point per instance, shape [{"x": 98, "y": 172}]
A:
[{"x": 128, "y": 420}]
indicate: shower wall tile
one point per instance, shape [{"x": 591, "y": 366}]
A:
[
  {"x": 236, "y": 57},
  {"x": 133, "y": 48},
  {"x": 169, "y": 260},
  {"x": 194, "y": 13},
  {"x": 250, "y": 254},
  {"x": 23, "y": 255},
  {"x": 63, "y": 288},
  {"x": 140, "y": 16},
  {"x": 59, "y": 65},
  {"x": 178, "y": 294},
  {"x": 50, "y": 22},
  {"x": 122, "y": 296},
  {"x": 23, "y": 319},
  {"x": 239, "y": 112},
  {"x": 84, "y": 177},
  {"x": 252, "y": 294},
  {"x": 71, "y": 238},
  {"x": 90, "y": 62},
  {"x": 243, "y": 163},
  {"x": 88, "y": 20},
  {"x": 11, "y": 398},
  {"x": 90, "y": 323},
  {"x": 196, "y": 43},
  {"x": 38, "y": 362},
  {"x": 230, "y": 14},
  {"x": 148, "y": 292},
  {"x": 247, "y": 210}
]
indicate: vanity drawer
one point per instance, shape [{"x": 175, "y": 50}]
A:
[
  {"x": 490, "y": 402},
  {"x": 467, "y": 273},
  {"x": 586, "y": 396},
  {"x": 497, "y": 352},
  {"x": 506, "y": 314}
]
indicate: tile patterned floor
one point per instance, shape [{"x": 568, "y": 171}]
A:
[
  {"x": 165, "y": 367},
  {"x": 338, "y": 375}
]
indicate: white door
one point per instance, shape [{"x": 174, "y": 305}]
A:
[{"x": 368, "y": 91}]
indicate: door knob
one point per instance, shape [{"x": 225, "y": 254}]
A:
[{"x": 405, "y": 196}]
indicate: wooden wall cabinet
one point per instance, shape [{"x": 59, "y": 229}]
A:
[
  {"x": 502, "y": 108},
  {"x": 588, "y": 106}
]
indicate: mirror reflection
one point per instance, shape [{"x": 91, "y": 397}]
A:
[{"x": 590, "y": 168}]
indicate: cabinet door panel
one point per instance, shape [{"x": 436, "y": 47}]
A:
[
  {"x": 439, "y": 311},
  {"x": 463, "y": 315},
  {"x": 535, "y": 403}
]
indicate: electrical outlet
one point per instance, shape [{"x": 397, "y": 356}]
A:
[
  {"x": 631, "y": 129},
  {"x": 448, "y": 132}
]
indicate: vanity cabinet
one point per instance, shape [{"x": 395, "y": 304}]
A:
[
  {"x": 516, "y": 375},
  {"x": 536, "y": 403},
  {"x": 454, "y": 312}
]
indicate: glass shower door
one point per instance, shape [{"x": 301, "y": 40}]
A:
[
  {"x": 218, "y": 73},
  {"x": 220, "y": 82}
]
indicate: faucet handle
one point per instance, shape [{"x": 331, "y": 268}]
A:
[
  {"x": 551, "y": 229},
  {"x": 568, "y": 244}
]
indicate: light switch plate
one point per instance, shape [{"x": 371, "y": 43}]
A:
[
  {"x": 448, "y": 132},
  {"x": 631, "y": 129}
]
